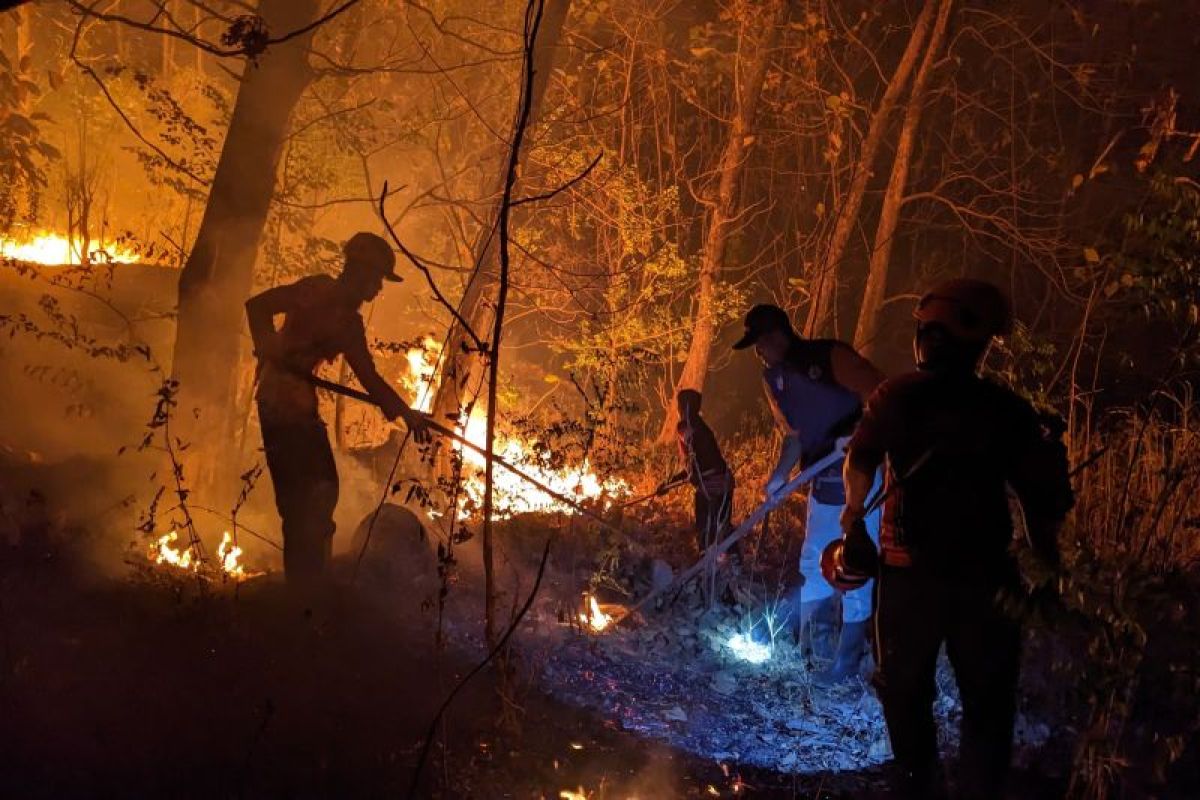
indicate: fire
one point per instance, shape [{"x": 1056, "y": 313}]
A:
[
  {"x": 54, "y": 249},
  {"x": 578, "y": 794},
  {"x": 166, "y": 551},
  {"x": 512, "y": 494},
  {"x": 228, "y": 554},
  {"x": 594, "y": 617}
]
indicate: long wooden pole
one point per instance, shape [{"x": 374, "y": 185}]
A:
[{"x": 747, "y": 525}]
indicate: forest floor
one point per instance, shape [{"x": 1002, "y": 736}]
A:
[
  {"x": 139, "y": 682},
  {"x": 133, "y": 688}
]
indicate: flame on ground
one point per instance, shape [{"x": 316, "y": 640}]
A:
[
  {"x": 166, "y": 551},
  {"x": 53, "y": 249},
  {"x": 512, "y": 494},
  {"x": 594, "y": 617}
]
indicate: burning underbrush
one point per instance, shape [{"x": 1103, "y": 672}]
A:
[{"x": 168, "y": 552}]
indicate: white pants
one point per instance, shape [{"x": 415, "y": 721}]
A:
[{"x": 823, "y": 527}]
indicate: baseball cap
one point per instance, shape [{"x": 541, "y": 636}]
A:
[
  {"x": 762, "y": 319},
  {"x": 368, "y": 250}
]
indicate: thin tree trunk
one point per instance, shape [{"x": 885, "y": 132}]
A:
[
  {"x": 460, "y": 355},
  {"x": 533, "y": 19},
  {"x": 889, "y": 216},
  {"x": 725, "y": 210},
  {"x": 217, "y": 276},
  {"x": 820, "y": 310}
]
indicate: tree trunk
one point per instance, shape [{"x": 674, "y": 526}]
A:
[
  {"x": 889, "y": 216},
  {"x": 217, "y": 276},
  {"x": 461, "y": 358},
  {"x": 820, "y": 310},
  {"x": 725, "y": 209}
]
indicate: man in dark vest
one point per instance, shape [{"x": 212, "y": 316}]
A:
[
  {"x": 952, "y": 442},
  {"x": 320, "y": 322},
  {"x": 816, "y": 388}
]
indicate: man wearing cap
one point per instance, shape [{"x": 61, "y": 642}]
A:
[
  {"x": 320, "y": 322},
  {"x": 959, "y": 441},
  {"x": 816, "y": 389}
]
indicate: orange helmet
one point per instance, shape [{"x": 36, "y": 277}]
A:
[
  {"x": 834, "y": 569},
  {"x": 971, "y": 310},
  {"x": 849, "y": 562}
]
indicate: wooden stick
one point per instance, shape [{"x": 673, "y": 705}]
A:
[
  {"x": 357, "y": 394},
  {"x": 747, "y": 525}
]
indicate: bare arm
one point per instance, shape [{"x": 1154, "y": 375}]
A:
[
  {"x": 358, "y": 356},
  {"x": 865, "y": 453},
  {"x": 260, "y": 314},
  {"x": 858, "y": 479},
  {"x": 855, "y": 372}
]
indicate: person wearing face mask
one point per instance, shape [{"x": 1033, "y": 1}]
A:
[
  {"x": 320, "y": 321},
  {"x": 945, "y": 546},
  {"x": 816, "y": 389}
]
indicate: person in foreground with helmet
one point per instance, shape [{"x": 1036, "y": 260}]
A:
[
  {"x": 944, "y": 558},
  {"x": 816, "y": 388},
  {"x": 320, "y": 322}
]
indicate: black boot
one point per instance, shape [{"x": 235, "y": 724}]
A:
[{"x": 851, "y": 646}]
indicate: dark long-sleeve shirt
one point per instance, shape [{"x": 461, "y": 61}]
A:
[{"x": 953, "y": 512}]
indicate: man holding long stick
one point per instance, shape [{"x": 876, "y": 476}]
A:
[
  {"x": 321, "y": 321},
  {"x": 816, "y": 389}
]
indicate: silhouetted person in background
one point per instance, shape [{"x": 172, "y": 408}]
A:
[
  {"x": 816, "y": 388},
  {"x": 320, "y": 322},
  {"x": 945, "y": 544},
  {"x": 705, "y": 469}
]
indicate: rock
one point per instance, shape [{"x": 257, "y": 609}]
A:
[
  {"x": 661, "y": 574},
  {"x": 881, "y": 749},
  {"x": 724, "y": 683},
  {"x": 676, "y": 713},
  {"x": 803, "y": 725}
]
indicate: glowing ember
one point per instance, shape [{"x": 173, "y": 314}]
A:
[
  {"x": 594, "y": 617},
  {"x": 578, "y": 794},
  {"x": 512, "y": 495},
  {"x": 54, "y": 250},
  {"x": 165, "y": 550},
  {"x": 745, "y": 648}
]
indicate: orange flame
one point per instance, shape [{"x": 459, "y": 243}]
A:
[
  {"x": 53, "y": 249},
  {"x": 165, "y": 551},
  {"x": 513, "y": 495},
  {"x": 594, "y": 617}
]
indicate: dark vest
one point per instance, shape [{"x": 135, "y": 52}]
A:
[{"x": 815, "y": 406}]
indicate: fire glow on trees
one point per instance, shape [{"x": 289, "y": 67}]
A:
[
  {"x": 513, "y": 495},
  {"x": 53, "y": 249}
]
